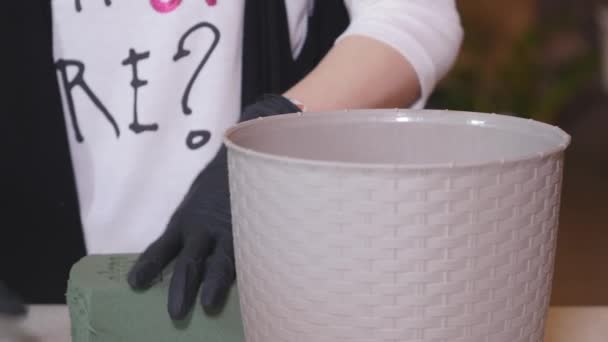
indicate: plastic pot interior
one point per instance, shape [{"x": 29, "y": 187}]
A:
[{"x": 396, "y": 138}]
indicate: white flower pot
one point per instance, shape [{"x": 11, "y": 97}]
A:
[{"x": 386, "y": 225}]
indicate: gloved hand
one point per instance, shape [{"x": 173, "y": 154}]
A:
[
  {"x": 10, "y": 303},
  {"x": 199, "y": 234}
]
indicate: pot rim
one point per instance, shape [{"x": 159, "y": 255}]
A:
[{"x": 515, "y": 124}]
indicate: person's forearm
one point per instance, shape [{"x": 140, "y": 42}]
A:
[{"x": 358, "y": 72}]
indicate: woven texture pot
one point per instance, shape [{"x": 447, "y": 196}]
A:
[{"x": 411, "y": 225}]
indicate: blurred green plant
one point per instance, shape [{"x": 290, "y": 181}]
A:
[{"x": 541, "y": 72}]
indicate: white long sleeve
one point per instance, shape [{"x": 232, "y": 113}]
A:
[{"x": 428, "y": 33}]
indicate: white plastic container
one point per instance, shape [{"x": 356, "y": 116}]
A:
[{"x": 386, "y": 225}]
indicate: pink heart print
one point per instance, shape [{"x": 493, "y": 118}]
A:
[{"x": 168, "y": 6}]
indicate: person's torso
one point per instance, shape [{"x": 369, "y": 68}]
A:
[{"x": 148, "y": 88}]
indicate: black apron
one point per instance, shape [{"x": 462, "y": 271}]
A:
[{"x": 40, "y": 229}]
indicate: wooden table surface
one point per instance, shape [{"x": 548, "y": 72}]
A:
[{"x": 565, "y": 324}]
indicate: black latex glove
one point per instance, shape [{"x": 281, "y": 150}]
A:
[
  {"x": 10, "y": 304},
  {"x": 199, "y": 234}
]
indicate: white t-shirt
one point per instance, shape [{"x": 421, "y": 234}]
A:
[{"x": 149, "y": 86}]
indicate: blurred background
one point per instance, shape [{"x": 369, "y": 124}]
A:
[{"x": 548, "y": 60}]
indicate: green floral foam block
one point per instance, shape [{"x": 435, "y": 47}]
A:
[{"x": 104, "y": 308}]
